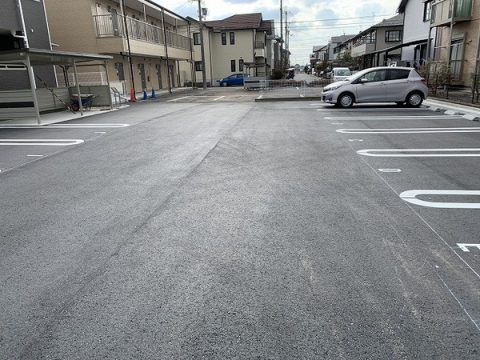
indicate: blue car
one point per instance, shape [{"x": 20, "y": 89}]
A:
[{"x": 234, "y": 79}]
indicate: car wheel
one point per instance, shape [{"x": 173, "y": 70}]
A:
[
  {"x": 414, "y": 99},
  {"x": 224, "y": 83},
  {"x": 345, "y": 100}
]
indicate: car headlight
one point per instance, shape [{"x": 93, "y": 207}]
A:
[{"x": 333, "y": 88}]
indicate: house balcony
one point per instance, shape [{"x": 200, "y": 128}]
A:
[
  {"x": 145, "y": 39},
  {"x": 363, "y": 49},
  {"x": 442, "y": 12},
  {"x": 259, "y": 49}
]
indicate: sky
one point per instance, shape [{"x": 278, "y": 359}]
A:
[{"x": 310, "y": 22}]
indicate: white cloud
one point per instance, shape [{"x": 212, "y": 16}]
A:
[{"x": 311, "y": 22}]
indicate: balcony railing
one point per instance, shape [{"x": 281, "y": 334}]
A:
[
  {"x": 113, "y": 26},
  {"x": 442, "y": 11}
]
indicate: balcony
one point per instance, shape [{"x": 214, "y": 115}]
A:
[
  {"x": 442, "y": 12},
  {"x": 364, "y": 48},
  {"x": 144, "y": 38},
  {"x": 259, "y": 49}
]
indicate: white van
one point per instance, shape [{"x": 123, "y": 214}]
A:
[{"x": 340, "y": 73}]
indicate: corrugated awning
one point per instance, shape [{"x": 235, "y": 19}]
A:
[{"x": 48, "y": 57}]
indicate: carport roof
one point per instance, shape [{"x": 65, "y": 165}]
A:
[{"x": 47, "y": 57}]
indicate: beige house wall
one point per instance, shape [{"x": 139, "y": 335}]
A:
[{"x": 469, "y": 31}]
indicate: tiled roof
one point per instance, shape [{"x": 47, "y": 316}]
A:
[
  {"x": 238, "y": 22},
  {"x": 393, "y": 21}
]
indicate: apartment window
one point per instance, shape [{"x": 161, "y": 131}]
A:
[
  {"x": 232, "y": 38},
  {"x": 196, "y": 39},
  {"x": 224, "y": 39},
  {"x": 232, "y": 65},
  {"x": 198, "y": 66},
  {"x": 393, "y": 35},
  {"x": 427, "y": 11},
  {"x": 240, "y": 65}
]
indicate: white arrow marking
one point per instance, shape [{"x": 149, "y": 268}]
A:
[
  {"x": 465, "y": 247},
  {"x": 411, "y": 197}
]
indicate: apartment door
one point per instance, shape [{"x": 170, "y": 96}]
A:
[
  {"x": 141, "y": 68},
  {"x": 159, "y": 75},
  {"x": 113, "y": 14}
]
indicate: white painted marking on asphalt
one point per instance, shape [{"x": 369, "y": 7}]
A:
[
  {"x": 390, "y": 170},
  {"x": 261, "y": 96},
  {"x": 41, "y": 142},
  {"x": 180, "y": 98},
  {"x": 34, "y": 155},
  {"x": 421, "y": 152},
  {"x": 410, "y": 130},
  {"x": 66, "y": 126},
  {"x": 411, "y": 197},
  {"x": 382, "y": 118},
  {"x": 221, "y": 97},
  {"x": 465, "y": 247},
  {"x": 337, "y": 123},
  {"x": 100, "y": 132},
  {"x": 355, "y": 140}
]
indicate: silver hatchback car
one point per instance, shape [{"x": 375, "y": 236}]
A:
[{"x": 379, "y": 84}]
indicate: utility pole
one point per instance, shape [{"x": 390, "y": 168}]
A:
[
  {"x": 281, "y": 36},
  {"x": 204, "y": 76},
  {"x": 287, "y": 55},
  {"x": 132, "y": 89}
]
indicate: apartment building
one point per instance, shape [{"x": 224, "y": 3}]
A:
[
  {"x": 379, "y": 44},
  {"x": 457, "y": 38},
  {"x": 147, "y": 41},
  {"x": 243, "y": 42},
  {"x": 23, "y": 24}
]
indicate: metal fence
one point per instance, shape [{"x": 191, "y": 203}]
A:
[{"x": 291, "y": 88}]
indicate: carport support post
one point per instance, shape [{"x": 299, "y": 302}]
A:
[
  {"x": 105, "y": 63},
  {"x": 33, "y": 86},
  {"x": 78, "y": 87}
]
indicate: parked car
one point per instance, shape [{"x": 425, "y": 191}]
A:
[
  {"x": 234, "y": 79},
  {"x": 340, "y": 73},
  {"x": 380, "y": 84}
]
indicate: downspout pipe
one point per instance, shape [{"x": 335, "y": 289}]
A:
[{"x": 166, "y": 52}]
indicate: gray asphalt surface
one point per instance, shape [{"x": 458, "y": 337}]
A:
[{"x": 237, "y": 230}]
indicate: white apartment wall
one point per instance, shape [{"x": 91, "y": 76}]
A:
[{"x": 414, "y": 27}]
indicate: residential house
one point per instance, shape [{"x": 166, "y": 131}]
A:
[
  {"x": 457, "y": 37},
  {"x": 147, "y": 41},
  {"x": 318, "y": 55},
  {"x": 239, "y": 43},
  {"x": 333, "y": 43},
  {"x": 380, "y": 44},
  {"x": 416, "y": 31}
]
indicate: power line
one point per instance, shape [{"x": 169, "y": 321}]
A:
[{"x": 338, "y": 19}]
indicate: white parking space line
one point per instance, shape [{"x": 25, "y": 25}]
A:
[
  {"x": 360, "y": 140},
  {"x": 180, "y": 98},
  {"x": 221, "y": 97},
  {"x": 411, "y": 197},
  {"x": 66, "y": 126},
  {"x": 472, "y": 152},
  {"x": 390, "y": 170},
  {"x": 465, "y": 247},
  {"x": 40, "y": 142},
  {"x": 35, "y": 155},
  {"x": 410, "y": 130},
  {"x": 383, "y": 118}
]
